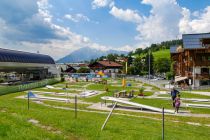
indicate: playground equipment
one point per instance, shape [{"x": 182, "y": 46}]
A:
[{"x": 100, "y": 73}]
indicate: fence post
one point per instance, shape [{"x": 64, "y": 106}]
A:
[
  {"x": 28, "y": 100},
  {"x": 75, "y": 106},
  {"x": 163, "y": 123}
]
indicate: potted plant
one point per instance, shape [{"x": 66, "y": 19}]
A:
[{"x": 141, "y": 90}]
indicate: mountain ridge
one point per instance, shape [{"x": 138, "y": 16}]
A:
[{"x": 86, "y": 54}]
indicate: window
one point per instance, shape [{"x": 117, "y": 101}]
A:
[
  {"x": 203, "y": 58},
  {"x": 205, "y": 70}
]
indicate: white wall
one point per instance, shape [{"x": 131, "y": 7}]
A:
[
  {"x": 197, "y": 70},
  {"x": 197, "y": 83}
]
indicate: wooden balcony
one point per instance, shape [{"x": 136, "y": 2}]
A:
[
  {"x": 197, "y": 63},
  {"x": 204, "y": 76},
  {"x": 202, "y": 63}
]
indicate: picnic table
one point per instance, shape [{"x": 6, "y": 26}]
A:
[{"x": 123, "y": 93}]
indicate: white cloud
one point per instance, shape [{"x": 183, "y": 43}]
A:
[
  {"x": 127, "y": 48},
  {"x": 184, "y": 26},
  {"x": 160, "y": 25},
  {"x": 126, "y": 15},
  {"x": 57, "y": 47},
  {"x": 102, "y": 3},
  {"x": 167, "y": 20},
  {"x": 197, "y": 24},
  {"x": 77, "y": 17}
]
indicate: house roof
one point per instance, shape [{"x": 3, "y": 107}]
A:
[
  {"x": 194, "y": 41},
  {"x": 24, "y": 57},
  {"x": 109, "y": 64}
]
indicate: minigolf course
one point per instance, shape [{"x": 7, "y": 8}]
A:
[
  {"x": 88, "y": 93},
  {"x": 136, "y": 104},
  {"x": 35, "y": 96}
]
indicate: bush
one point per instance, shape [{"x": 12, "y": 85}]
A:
[
  {"x": 169, "y": 75},
  {"x": 1, "y": 80},
  {"x": 141, "y": 90},
  {"x": 83, "y": 70}
]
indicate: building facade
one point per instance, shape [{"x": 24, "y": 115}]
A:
[
  {"x": 192, "y": 60},
  {"x": 107, "y": 67},
  {"x": 24, "y": 66}
]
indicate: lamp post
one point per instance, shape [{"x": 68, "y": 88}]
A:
[{"x": 149, "y": 66}]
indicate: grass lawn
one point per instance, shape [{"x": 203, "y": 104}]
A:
[
  {"x": 14, "y": 125},
  {"x": 70, "y": 105},
  {"x": 58, "y": 90}
]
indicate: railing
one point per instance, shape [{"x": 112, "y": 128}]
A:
[
  {"x": 202, "y": 76},
  {"x": 17, "y": 88},
  {"x": 202, "y": 63}
]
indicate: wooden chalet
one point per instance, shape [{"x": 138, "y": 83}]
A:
[
  {"x": 106, "y": 67},
  {"x": 192, "y": 60}
]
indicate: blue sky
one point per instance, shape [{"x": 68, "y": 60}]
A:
[{"x": 59, "y": 27}]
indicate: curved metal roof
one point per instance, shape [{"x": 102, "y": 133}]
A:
[{"x": 24, "y": 57}]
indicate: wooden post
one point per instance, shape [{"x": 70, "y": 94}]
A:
[
  {"x": 28, "y": 100},
  {"x": 163, "y": 124},
  {"x": 75, "y": 106},
  {"x": 108, "y": 116}
]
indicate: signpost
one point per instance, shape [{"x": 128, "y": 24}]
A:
[
  {"x": 163, "y": 124},
  {"x": 28, "y": 100},
  {"x": 75, "y": 106}
]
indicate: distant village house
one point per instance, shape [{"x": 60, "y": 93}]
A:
[{"x": 108, "y": 67}]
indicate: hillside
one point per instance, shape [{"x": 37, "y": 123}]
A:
[
  {"x": 158, "y": 54},
  {"x": 161, "y": 54}
]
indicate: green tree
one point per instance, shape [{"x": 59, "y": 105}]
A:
[
  {"x": 130, "y": 60},
  {"x": 131, "y": 70},
  {"x": 83, "y": 70},
  {"x": 138, "y": 51},
  {"x": 137, "y": 63},
  {"x": 112, "y": 57},
  {"x": 162, "y": 65}
]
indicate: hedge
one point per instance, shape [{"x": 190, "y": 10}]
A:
[{"x": 18, "y": 88}]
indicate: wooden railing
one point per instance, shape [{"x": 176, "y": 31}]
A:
[{"x": 202, "y": 76}]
